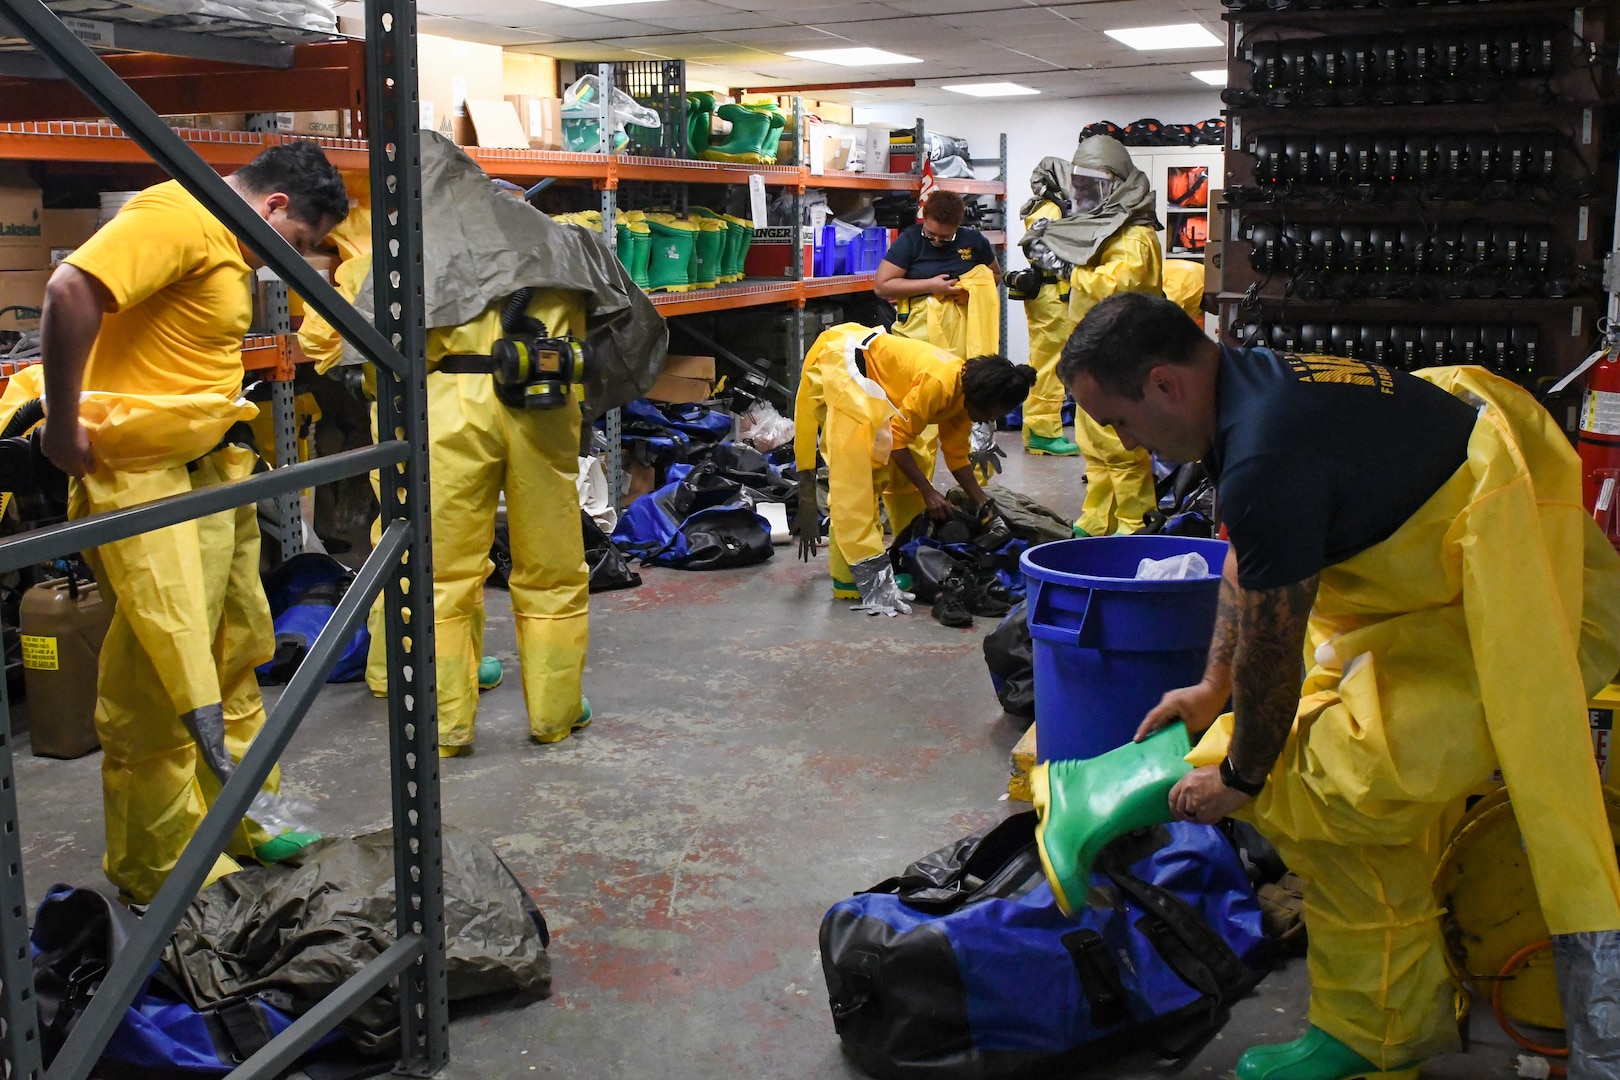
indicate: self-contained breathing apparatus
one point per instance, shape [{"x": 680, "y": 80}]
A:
[{"x": 532, "y": 369}]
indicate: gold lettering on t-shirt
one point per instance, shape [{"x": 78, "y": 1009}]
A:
[
  {"x": 1336, "y": 369},
  {"x": 965, "y": 253}
]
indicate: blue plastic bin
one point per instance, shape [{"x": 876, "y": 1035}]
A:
[
  {"x": 867, "y": 250},
  {"x": 1108, "y": 646}
]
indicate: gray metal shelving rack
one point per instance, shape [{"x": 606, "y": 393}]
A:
[{"x": 400, "y": 567}]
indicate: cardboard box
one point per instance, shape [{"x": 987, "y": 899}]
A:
[
  {"x": 529, "y": 75},
  {"x": 1214, "y": 252},
  {"x": 877, "y": 148},
  {"x": 26, "y": 289},
  {"x": 67, "y": 228},
  {"x": 22, "y": 239},
  {"x": 495, "y": 124},
  {"x": 451, "y": 72},
  {"x": 541, "y": 119},
  {"x": 332, "y": 124},
  {"x": 326, "y": 265},
  {"x": 684, "y": 379},
  {"x": 642, "y": 477}
]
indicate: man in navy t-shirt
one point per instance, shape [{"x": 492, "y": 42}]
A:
[{"x": 1426, "y": 533}]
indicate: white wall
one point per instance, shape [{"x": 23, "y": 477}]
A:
[{"x": 1037, "y": 129}]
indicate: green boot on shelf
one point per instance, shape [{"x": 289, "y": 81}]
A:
[
  {"x": 699, "y": 122},
  {"x": 635, "y": 245},
  {"x": 1083, "y": 805},
  {"x": 1316, "y": 1055},
  {"x": 740, "y": 230},
  {"x": 707, "y": 250},
  {"x": 673, "y": 241},
  {"x": 751, "y": 125},
  {"x": 773, "y": 137},
  {"x": 1058, "y": 447}
]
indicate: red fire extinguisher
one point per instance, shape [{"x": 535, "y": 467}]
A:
[{"x": 1599, "y": 444}]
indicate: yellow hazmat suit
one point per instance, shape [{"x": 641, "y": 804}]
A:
[
  {"x": 1457, "y": 646},
  {"x": 1119, "y": 482},
  {"x": 1050, "y": 325},
  {"x": 963, "y": 330},
  {"x": 480, "y": 448},
  {"x": 910, "y": 389},
  {"x": 190, "y": 621},
  {"x": 1184, "y": 287}
]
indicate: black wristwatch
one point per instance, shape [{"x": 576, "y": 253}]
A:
[{"x": 1230, "y": 777}]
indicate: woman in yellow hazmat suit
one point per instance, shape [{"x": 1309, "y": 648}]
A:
[
  {"x": 1107, "y": 244},
  {"x": 865, "y": 398},
  {"x": 1046, "y": 310},
  {"x": 480, "y": 447},
  {"x": 147, "y": 318}
]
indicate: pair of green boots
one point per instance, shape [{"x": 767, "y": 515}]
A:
[
  {"x": 1083, "y": 806},
  {"x": 756, "y": 131}
]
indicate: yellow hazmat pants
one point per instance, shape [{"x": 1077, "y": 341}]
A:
[
  {"x": 1119, "y": 482},
  {"x": 481, "y": 448},
  {"x": 1452, "y": 648},
  {"x": 1049, "y": 329},
  {"x": 189, "y": 625}
]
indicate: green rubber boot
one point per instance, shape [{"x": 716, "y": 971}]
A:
[
  {"x": 699, "y": 122},
  {"x": 284, "y": 846},
  {"x": 584, "y": 720},
  {"x": 1058, "y": 447},
  {"x": 1316, "y": 1055},
  {"x": 1084, "y": 805},
  {"x": 845, "y": 590},
  {"x": 773, "y": 137},
  {"x": 1079, "y": 533},
  {"x": 490, "y": 673}
]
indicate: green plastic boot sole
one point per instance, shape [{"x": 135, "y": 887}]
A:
[
  {"x": 1316, "y": 1055},
  {"x": 1058, "y": 447},
  {"x": 1084, "y": 805}
]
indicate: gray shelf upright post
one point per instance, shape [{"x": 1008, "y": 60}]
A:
[
  {"x": 919, "y": 141},
  {"x": 392, "y": 119},
  {"x": 1006, "y": 231},
  {"x": 613, "y": 466},
  {"x": 399, "y": 565},
  {"x": 796, "y": 257},
  {"x": 284, "y": 413}
]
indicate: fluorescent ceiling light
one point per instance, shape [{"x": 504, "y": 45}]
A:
[
  {"x": 991, "y": 89},
  {"x": 1214, "y": 78},
  {"x": 1177, "y": 36},
  {"x": 858, "y": 57},
  {"x": 595, "y": 3}
]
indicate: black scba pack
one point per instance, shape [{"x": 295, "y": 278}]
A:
[{"x": 533, "y": 369}]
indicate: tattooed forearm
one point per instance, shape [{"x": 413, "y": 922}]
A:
[
  {"x": 1221, "y": 647},
  {"x": 1266, "y": 673}
]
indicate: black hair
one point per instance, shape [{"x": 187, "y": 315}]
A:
[
  {"x": 1126, "y": 336},
  {"x": 996, "y": 384},
  {"x": 945, "y": 207},
  {"x": 299, "y": 169}
]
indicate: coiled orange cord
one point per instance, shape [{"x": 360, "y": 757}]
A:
[{"x": 1514, "y": 963}]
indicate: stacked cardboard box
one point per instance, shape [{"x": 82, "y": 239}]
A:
[
  {"x": 24, "y": 259},
  {"x": 684, "y": 378}
]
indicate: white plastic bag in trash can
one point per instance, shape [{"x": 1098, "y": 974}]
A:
[{"x": 1176, "y": 568}]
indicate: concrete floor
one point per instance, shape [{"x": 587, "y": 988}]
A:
[{"x": 758, "y": 753}]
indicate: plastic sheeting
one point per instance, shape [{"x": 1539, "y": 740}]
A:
[
  {"x": 293, "y": 932},
  {"x": 481, "y": 245}
]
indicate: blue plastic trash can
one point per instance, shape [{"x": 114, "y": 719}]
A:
[{"x": 1108, "y": 646}]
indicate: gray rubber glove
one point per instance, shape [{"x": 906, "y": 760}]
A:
[
  {"x": 880, "y": 593},
  {"x": 807, "y": 518}
]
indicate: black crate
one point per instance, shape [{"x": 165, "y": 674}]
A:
[{"x": 660, "y": 85}]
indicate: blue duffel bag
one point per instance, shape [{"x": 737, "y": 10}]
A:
[{"x": 963, "y": 968}]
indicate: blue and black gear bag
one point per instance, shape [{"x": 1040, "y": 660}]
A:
[
  {"x": 79, "y": 933},
  {"x": 303, "y": 593},
  {"x": 964, "y": 968}
]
